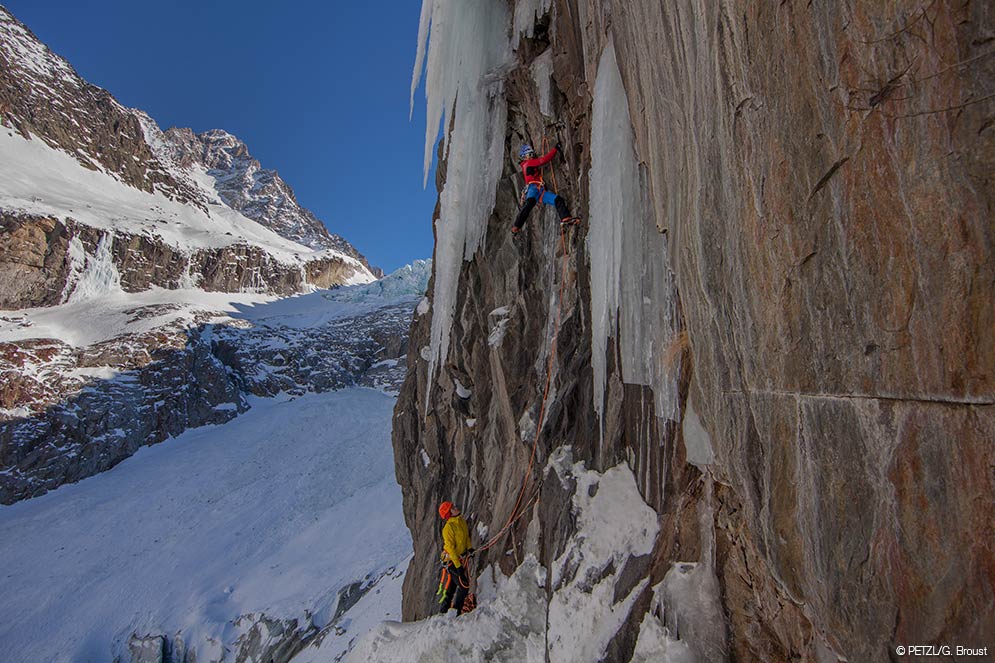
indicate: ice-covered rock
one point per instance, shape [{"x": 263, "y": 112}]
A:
[{"x": 784, "y": 282}]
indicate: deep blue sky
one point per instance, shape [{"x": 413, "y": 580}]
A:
[{"x": 318, "y": 90}]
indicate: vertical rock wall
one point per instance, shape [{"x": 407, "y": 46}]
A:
[
  {"x": 826, "y": 176},
  {"x": 823, "y": 173}
]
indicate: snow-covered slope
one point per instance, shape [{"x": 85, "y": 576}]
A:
[
  {"x": 38, "y": 179},
  {"x": 256, "y": 525}
]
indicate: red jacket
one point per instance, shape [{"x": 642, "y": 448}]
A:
[{"x": 532, "y": 168}]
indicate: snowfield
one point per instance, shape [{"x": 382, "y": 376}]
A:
[{"x": 274, "y": 512}]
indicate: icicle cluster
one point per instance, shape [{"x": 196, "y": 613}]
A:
[
  {"x": 100, "y": 276},
  {"x": 526, "y": 13},
  {"x": 635, "y": 297},
  {"x": 463, "y": 84}
]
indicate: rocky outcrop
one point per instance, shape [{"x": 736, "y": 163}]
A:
[
  {"x": 809, "y": 256},
  {"x": 149, "y": 389},
  {"x": 31, "y": 272},
  {"x": 39, "y": 264}
]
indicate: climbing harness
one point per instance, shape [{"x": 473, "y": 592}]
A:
[
  {"x": 515, "y": 513},
  {"x": 446, "y": 580},
  {"x": 525, "y": 191}
]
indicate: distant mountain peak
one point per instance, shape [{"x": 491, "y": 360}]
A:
[
  {"x": 42, "y": 96},
  {"x": 258, "y": 193}
]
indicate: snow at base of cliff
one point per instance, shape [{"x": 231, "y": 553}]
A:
[
  {"x": 512, "y": 623},
  {"x": 274, "y": 512}
]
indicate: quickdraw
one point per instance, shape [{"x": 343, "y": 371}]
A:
[{"x": 445, "y": 580}]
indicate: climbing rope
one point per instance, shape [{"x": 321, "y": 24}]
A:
[{"x": 515, "y": 513}]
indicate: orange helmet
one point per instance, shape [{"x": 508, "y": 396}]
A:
[{"x": 444, "y": 509}]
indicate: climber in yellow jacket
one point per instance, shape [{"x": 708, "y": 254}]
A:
[{"x": 456, "y": 546}]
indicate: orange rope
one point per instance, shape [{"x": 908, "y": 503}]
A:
[
  {"x": 552, "y": 173},
  {"x": 515, "y": 514}
]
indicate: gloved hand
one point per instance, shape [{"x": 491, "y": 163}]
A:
[
  {"x": 559, "y": 148},
  {"x": 471, "y": 551}
]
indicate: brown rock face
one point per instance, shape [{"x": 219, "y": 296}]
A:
[
  {"x": 33, "y": 262},
  {"x": 824, "y": 175},
  {"x": 36, "y": 266}
]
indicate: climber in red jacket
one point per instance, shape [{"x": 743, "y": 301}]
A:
[{"x": 536, "y": 189}]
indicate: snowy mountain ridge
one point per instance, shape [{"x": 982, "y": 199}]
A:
[
  {"x": 189, "y": 190},
  {"x": 258, "y": 193}
]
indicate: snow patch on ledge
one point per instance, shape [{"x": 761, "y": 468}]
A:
[
  {"x": 424, "y": 306},
  {"x": 498, "y": 322}
]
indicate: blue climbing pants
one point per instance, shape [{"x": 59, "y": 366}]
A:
[{"x": 532, "y": 195}]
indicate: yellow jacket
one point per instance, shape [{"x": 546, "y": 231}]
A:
[{"x": 455, "y": 539}]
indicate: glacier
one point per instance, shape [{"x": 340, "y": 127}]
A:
[{"x": 256, "y": 516}]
